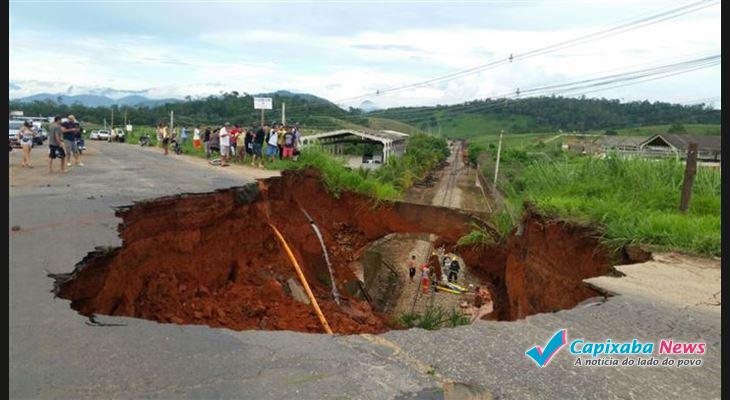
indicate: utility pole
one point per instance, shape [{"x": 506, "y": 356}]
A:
[
  {"x": 125, "y": 117},
  {"x": 172, "y": 120},
  {"x": 283, "y": 113},
  {"x": 499, "y": 151},
  {"x": 112, "y": 118},
  {"x": 262, "y": 117},
  {"x": 690, "y": 170}
]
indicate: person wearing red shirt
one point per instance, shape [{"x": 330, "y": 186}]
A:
[{"x": 234, "y": 138}]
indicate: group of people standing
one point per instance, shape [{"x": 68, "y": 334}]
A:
[
  {"x": 435, "y": 270},
  {"x": 62, "y": 143},
  {"x": 234, "y": 142}
]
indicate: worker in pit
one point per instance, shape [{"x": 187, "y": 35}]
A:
[
  {"x": 412, "y": 267},
  {"x": 425, "y": 279},
  {"x": 434, "y": 265},
  {"x": 445, "y": 264},
  {"x": 454, "y": 268}
]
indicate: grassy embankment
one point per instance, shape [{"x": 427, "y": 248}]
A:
[
  {"x": 631, "y": 200},
  {"x": 388, "y": 182}
]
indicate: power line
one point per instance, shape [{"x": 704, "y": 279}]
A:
[
  {"x": 622, "y": 28},
  {"x": 635, "y": 23},
  {"x": 551, "y": 89},
  {"x": 609, "y": 82}
]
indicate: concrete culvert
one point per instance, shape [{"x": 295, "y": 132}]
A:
[{"x": 213, "y": 259}]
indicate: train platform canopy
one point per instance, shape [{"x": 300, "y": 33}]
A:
[{"x": 382, "y": 136}]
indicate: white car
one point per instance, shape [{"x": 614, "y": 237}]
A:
[
  {"x": 13, "y": 131},
  {"x": 101, "y": 134}
]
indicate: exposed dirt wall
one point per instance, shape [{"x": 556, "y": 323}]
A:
[
  {"x": 212, "y": 258},
  {"x": 541, "y": 266}
]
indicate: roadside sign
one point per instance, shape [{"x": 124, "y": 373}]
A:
[
  {"x": 129, "y": 128},
  {"x": 262, "y": 103}
]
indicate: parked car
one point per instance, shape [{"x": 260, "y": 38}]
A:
[
  {"x": 100, "y": 134},
  {"x": 14, "y": 127},
  {"x": 13, "y": 131},
  {"x": 42, "y": 136}
]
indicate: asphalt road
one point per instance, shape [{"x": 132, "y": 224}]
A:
[{"x": 55, "y": 354}]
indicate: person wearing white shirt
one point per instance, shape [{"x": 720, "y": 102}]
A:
[
  {"x": 225, "y": 144},
  {"x": 196, "y": 137},
  {"x": 272, "y": 145}
]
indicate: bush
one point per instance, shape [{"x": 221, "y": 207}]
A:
[
  {"x": 475, "y": 149},
  {"x": 433, "y": 318}
]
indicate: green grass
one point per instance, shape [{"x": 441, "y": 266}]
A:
[
  {"x": 433, "y": 318},
  {"x": 632, "y": 200},
  {"x": 387, "y": 182},
  {"x": 466, "y": 125},
  {"x": 390, "y": 124},
  {"x": 478, "y": 235},
  {"x": 337, "y": 176}
]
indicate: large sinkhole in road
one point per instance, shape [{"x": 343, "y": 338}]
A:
[{"x": 214, "y": 259}]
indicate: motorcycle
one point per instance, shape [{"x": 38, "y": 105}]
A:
[
  {"x": 145, "y": 140},
  {"x": 176, "y": 147}
]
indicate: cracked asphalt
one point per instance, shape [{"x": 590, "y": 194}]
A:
[{"x": 54, "y": 353}]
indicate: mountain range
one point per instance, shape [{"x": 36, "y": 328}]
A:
[
  {"x": 93, "y": 100},
  {"x": 92, "y": 96}
]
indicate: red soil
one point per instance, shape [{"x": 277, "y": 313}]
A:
[
  {"x": 212, "y": 258},
  {"x": 542, "y": 268}
]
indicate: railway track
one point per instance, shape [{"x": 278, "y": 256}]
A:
[{"x": 448, "y": 194}]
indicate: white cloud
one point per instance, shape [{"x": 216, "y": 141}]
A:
[{"x": 338, "y": 66}]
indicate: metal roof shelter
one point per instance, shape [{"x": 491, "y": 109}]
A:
[
  {"x": 708, "y": 146},
  {"x": 393, "y": 141}
]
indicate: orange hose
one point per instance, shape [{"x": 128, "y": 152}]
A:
[{"x": 303, "y": 280}]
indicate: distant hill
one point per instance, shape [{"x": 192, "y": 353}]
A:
[
  {"x": 92, "y": 100},
  {"x": 546, "y": 114},
  {"x": 233, "y": 107},
  {"x": 476, "y": 118}
]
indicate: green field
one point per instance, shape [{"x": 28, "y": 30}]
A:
[
  {"x": 467, "y": 125},
  {"x": 630, "y": 200}
]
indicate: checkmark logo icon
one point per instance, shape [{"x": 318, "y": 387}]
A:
[{"x": 542, "y": 356}]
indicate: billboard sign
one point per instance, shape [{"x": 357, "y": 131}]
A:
[{"x": 262, "y": 103}]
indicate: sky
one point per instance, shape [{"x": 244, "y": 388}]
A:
[{"x": 339, "y": 50}]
